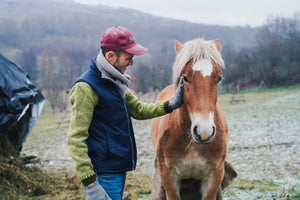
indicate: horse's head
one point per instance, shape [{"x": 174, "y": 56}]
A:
[{"x": 200, "y": 64}]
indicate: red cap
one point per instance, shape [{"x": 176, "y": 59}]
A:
[{"x": 118, "y": 38}]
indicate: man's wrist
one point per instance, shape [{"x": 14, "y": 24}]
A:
[
  {"x": 89, "y": 180},
  {"x": 168, "y": 109}
]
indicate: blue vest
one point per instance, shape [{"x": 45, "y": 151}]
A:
[{"x": 111, "y": 142}]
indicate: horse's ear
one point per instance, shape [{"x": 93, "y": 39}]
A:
[
  {"x": 216, "y": 41},
  {"x": 178, "y": 46}
]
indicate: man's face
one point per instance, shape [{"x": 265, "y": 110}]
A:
[{"x": 123, "y": 62}]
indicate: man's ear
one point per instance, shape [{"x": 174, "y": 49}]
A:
[{"x": 111, "y": 57}]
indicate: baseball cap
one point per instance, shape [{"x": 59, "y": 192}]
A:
[{"x": 118, "y": 38}]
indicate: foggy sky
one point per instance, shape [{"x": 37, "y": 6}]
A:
[{"x": 221, "y": 12}]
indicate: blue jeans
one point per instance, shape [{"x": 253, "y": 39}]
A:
[{"x": 113, "y": 184}]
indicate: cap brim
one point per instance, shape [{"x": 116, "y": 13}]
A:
[{"x": 137, "y": 50}]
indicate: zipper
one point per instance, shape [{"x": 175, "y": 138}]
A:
[{"x": 132, "y": 148}]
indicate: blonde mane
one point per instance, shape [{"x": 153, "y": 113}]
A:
[{"x": 195, "y": 49}]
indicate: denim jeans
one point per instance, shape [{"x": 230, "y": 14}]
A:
[{"x": 113, "y": 184}]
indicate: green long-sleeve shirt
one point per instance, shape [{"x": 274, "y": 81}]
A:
[{"x": 84, "y": 99}]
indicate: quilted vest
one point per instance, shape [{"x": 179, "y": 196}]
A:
[{"x": 111, "y": 142}]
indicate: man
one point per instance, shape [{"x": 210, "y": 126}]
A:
[{"x": 101, "y": 139}]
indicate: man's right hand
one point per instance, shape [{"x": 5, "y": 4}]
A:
[
  {"x": 95, "y": 191},
  {"x": 178, "y": 97}
]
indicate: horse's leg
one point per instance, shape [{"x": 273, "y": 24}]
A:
[
  {"x": 229, "y": 174},
  {"x": 219, "y": 194},
  {"x": 172, "y": 190},
  {"x": 157, "y": 189},
  {"x": 212, "y": 185},
  {"x": 170, "y": 183}
]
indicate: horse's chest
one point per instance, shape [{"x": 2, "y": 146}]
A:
[{"x": 193, "y": 165}]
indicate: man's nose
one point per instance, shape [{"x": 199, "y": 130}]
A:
[{"x": 131, "y": 62}]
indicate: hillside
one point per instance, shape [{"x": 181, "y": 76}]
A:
[
  {"x": 54, "y": 40},
  {"x": 69, "y": 19}
]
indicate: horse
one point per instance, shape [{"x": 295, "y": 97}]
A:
[{"x": 191, "y": 142}]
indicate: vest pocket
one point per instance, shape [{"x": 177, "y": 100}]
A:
[
  {"x": 98, "y": 149},
  {"x": 119, "y": 145}
]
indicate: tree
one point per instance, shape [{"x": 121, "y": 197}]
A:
[
  {"x": 28, "y": 61},
  {"x": 9, "y": 33},
  {"x": 278, "y": 52}
]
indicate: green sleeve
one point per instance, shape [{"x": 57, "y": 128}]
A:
[
  {"x": 140, "y": 110},
  {"x": 83, "y": 100}
]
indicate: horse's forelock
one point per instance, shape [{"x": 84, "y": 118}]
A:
[{"x": 195, "y": 49}]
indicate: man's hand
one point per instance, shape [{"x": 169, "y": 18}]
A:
[
  {"x": 95, "y": 191},
  {"x": 178, "y": 97}
]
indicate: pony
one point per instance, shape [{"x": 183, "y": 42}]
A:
[{"x": 191, "y": 142}]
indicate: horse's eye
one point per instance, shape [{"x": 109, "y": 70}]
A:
[
  {"x": 219, "y": 80},
  {"x": 185, "y": 79}
]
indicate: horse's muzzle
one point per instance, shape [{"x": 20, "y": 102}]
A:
[{"x": 203, "y": 137}]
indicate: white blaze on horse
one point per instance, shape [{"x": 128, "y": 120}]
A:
[{"x": 191, "y": 142}]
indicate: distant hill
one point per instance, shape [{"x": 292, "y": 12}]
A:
[
  {"x": 89, "y": 22},
  {"x": 42, "y": 35}
]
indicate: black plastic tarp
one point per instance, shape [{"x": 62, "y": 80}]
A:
[{"x": 21, "y": 102}]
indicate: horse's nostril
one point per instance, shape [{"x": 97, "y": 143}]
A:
[
  {"x": 196, "y": 134},
  {"x": 195, "y": 130},
  {"x": 214, "y": 131}
]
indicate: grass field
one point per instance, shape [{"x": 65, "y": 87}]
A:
[{"x": 264, "y": 148}]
